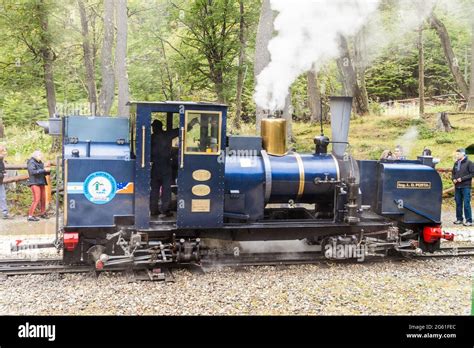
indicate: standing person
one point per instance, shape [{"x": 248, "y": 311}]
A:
[
  {"x": 386, "y": 155},
  {"x": 463, "y": 171},
  {"x": 3, "y": 194},
  {"x": 161, "y": 169},
  {"x": 37, "y": 183},
  {"x": 398, "y": 153}
]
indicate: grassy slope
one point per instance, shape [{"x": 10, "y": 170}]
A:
[{"x": 369, "y": 136}]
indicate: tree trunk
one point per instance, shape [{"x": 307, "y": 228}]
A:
[
  {"x": 107, "y": 91},
  {"x": 241, "y": 72},
  {"x": 49, "y": 80},
  {"x": 350, "y": 77},
  {"x": 219, "y": 84},
  {"x": 121, "y": 58},
  {"x": 421, "y": 71},
  {"x": 470, "y": 104},
  {"x": 262, "y": 55},
  {"x": 88, "y": 59},
  {"x": 314, "y": 96},
  {"x": 360, "y": 66},
  {"x": 172, "y": 94},
  {"x": 453, "y": 63},
  {"x": 443, "y": 122},
  {"x": 48, "y": 58}
]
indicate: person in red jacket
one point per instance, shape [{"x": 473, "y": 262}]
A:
[{"x": 37, "y": 182}]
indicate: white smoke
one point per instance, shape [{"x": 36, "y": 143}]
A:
[
  {"x": 407, "y": 140},
  {"x": 308, "y": 34}
]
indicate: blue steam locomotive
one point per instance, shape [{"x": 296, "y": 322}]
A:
[{"x": 234, "y": 188}]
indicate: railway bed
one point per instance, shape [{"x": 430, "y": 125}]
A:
[{"x": 11, "y": 267}]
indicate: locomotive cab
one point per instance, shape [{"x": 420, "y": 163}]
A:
[{"x": 200, "y": 173}]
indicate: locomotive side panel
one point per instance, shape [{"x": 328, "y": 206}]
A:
[
  {"x": 409, "y": 192},
  {"x": 97, "y": 191}
]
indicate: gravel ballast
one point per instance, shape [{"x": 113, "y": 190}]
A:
[{"x": 430, "y": 287}]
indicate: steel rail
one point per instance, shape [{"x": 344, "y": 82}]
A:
[{"x": 10, "y": 267}]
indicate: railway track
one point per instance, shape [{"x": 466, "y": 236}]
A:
[
  {"x": 10, "y": 267},
  {"x": 467, "y": 251}
]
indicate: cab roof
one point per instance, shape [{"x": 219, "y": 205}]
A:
[{"x": 175, "y": 102}]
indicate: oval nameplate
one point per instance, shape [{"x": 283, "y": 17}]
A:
[
  {"x": 201, "y": 190},
  {"x": 201, "y": 175}
]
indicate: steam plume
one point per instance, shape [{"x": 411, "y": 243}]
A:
[{"x": 308, "y": 33}]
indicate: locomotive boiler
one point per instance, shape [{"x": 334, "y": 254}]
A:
[{"x": 235, "y": 188}]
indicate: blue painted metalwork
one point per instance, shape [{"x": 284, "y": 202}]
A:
[
  {"x": 416, "y": 185},
  {"x": 404, "y": 205},
  {"x": 368, "y": 182},
  {"x": 286, "y": 177},
  {"x": 96, "y": 151},
  {"x": 105, "y": 137},
  {"x": 142, "y": 165},
  {"x": 200, "y": 216},
  {"x": 82, "y": 212},
  {"x": 103, "y": 150},
  {"x": 100, "y": 129},
  {"x": 245, "y": 180},
  {"x": 185, "y": 217},
  {"x": 244, "y": 186}
]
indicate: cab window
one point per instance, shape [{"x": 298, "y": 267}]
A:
[{"x": 202, "y": 132}]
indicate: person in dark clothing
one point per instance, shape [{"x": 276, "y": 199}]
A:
[
  {"x": 463, "y": 171},
  {"x": 161, "y": 169},
  {"x": 3, "y": 194},
  {"x": 37, "y": 182}
]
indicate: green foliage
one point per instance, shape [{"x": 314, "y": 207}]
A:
[
  {"x": 425, "y": 132},
  {"x": 21, "y": 142},
  {"x": 392, "y": 76},
  {"x": 398, "y": 122},
  {"x": 375, "y": 108},
  {"x": 444, "y": 139},
  {"x": 18, "y": 198},
  {"x": 22, "y": 109},
  {"x": 188, "y": 50}
]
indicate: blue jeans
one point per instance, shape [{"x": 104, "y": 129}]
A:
[
  {"x": 3, "y": 200},
  {"x": 462, "y": 196}
]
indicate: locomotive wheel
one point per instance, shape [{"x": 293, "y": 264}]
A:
[{"x": 429, "y": 247}]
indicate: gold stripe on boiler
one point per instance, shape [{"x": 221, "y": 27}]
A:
[
  {"x": 201, "y": 190},
  {"x": 301, "y": 170},
  {"x": 201, "y": 175}
]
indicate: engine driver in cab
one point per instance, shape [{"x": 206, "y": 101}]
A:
[{"x": 161, "y": 169}]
